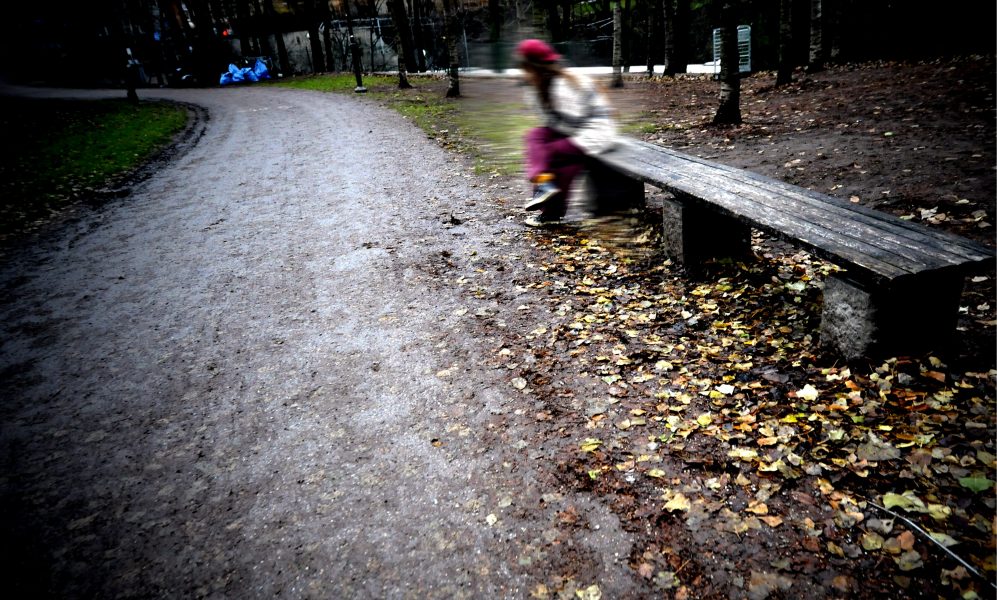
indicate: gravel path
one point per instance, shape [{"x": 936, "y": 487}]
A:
[{"x": 254, "y": 377}]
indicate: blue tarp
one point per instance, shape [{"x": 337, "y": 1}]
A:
[{"x": 258, "y": 72}]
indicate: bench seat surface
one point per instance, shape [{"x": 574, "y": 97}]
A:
[{"x": 872, "y": 244}]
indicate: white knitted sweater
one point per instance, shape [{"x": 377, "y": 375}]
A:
[{"x": 581, "y": 112}]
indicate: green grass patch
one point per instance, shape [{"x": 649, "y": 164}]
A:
[
  {"x": 58, "y": 149},
  {"x": 339, "y": 82}
]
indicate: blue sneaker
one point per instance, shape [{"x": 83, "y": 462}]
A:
[{"x": 542, "y": 193}]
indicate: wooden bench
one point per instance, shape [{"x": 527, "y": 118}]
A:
[{"x": 902, "y": 281}]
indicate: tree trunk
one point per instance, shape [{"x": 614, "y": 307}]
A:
[
  {"x": 398, "y": 15},
  {"x": 282, "y": 58},
  {"x": 653, "y": 34},
  {"x": 617, "y": 45},
  {"x": 729, "y": 112},
  {"x": 671, "y": 65},
  {"x": 452, "y": 29},
  {"x": 318, "y": 57},
  {"x": 680, "y": 35},
  {"x": 245, "y": 40},
  {"x": 566, "y": 18},
  {"x": 418, "y": 42},
  {"x": 553, "y": 21},
  {"x": 816, "y": 60},
  {"x": 785, "y": 74},
  {"x": 832, "y": 24},
  {"x": 625, "y": 31},
  {"x": 264, "y": 39},
  {"x": 495, "y": 34},
  {"x": 330, "y": 53}
]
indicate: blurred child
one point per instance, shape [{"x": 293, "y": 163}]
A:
[{"x": 577, "y": 123}]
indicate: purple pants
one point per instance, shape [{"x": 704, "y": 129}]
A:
[{"x": 548, "y": 151}]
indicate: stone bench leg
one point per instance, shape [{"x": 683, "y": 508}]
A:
[
  {"x": 694, "y": 234},
  {"x": 905, "y": 318}
]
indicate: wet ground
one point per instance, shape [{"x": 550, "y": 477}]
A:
[
  {"x": 313, "y": 355},
  {"x": 254, "y": 377}
]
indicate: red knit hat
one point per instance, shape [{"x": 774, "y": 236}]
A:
[{"x": 537, "y": 51}]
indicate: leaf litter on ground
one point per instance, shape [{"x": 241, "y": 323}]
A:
[{"x": 725, "y": 414}]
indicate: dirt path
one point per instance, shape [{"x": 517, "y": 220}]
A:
[{"x": 254, "y": 378}]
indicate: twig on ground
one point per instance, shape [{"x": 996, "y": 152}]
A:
[{"x": 926, "y": 534}]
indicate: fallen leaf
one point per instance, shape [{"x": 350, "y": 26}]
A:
[
  {"x": 907, "y": 501},
  {"x": 590, "y": 444},
  {"x": 910, "y": 560},
  {"x": 808, "y": 393},
  {"x": 758, "y": 508},
  {"x": 678, "y": 502},
  {"x": 872, "y": 541},
  {"x": 743, "y": 453},
  {"x": 976, "y": 484}
]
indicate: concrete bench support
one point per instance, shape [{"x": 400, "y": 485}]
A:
[
  {"x": 915, "y": 316},
  {"x": 693, "y": 234}
]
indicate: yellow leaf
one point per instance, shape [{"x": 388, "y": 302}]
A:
[
  {"x": 939, "y": 512},
  {"x": 656, "y": 473},
  {"x": 872, "y": 541},
  {"x": 590, "y": 444},
  {"x": 704, "y": 419},
  {"x": 772, "y": 521},
  {"x": 758, "y": 508},
  {"x": 743, "y": 453},
  {"x": 678, "y": 502}
]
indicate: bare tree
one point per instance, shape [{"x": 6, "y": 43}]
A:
[{"x": 729, "y": 112}]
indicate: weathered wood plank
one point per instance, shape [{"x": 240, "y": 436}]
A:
[
  {"x": 883, "y": 246},
  {"x": 947, "y": 247},
  {"x": 958, "y": 245}
]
